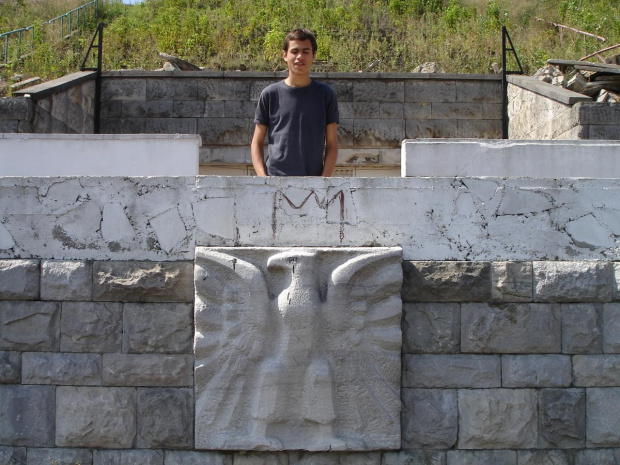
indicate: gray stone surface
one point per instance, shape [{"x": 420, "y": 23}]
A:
[
  {"x": 603, "y": 417},
  {"x": 597, "y": 457},
  {"x": 29, "y": 326},
  {"x": 147, "y": 370},
  {"x": 197, "y": 458},
  {"x": 446, "y": 281},
  {"x": 165, "y": 418},
  {"x": 91, "y": 327},
  {"x": 27, "y": 415},
  {"x": 97, "y": 417},
  {"x": 582, "y": 329},
  {"x": 611, "y": 328},
  {"x": 158, "y": 328},
  {"x": 511, "y": 281},
  {"x": 414, "y": 457},
  {"x": 511, "y": 328},
  {"x": 545, "y": 457},
  {"x": 585, "y": 281},
  {"x": 10, "y": 367},
  {"x": 431, "y": 328},
  {"x": 12, "y": 455},
  {"x": 533, "y": 371},
  {"x": 482, "y": 457},
  {"x": 562, "y": 418},
  {"x": 313, "y": 458},
  {"x": 616, "y": 280},
  {"x": 263, "y": 458},
  {"x": 61, "y": 369},
  {"x": 596, "y": 370},
  {"x": 60, "y": 457},
  {"x": 360, "y": 458},
  {"x": 66, "y": 280},
  {"x": 143, "y": 281},
  {"x": 498, "y": 419},
  {"x": 451, "y": 371},
  {"x": 429, "y": 418},
  {"x": 19, "y": 279},
  {"x": 128, "y": 457}
]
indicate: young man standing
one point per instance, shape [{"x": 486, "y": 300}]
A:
[{"x": 298, "y": 115}]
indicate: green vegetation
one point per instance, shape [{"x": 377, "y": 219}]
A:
[{"x": 462, "y": 36}]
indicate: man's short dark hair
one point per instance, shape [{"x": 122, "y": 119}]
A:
[{"x": 300, "y": 34}]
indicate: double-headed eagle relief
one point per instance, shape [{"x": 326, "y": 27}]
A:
[{"x": 298, "y": 348}]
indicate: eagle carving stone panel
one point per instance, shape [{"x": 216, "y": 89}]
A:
[{"x": 297, "y": 348}]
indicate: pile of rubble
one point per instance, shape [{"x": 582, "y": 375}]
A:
[{"x": 601, "y": 81}]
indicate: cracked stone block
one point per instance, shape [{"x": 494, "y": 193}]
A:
[
  {"x": 603, "y": 417},
  {"x": 165, "y": 418},
  {"x": 66, "y": 280},
  {"x": 27, "y": 415},
  {"x": 59, "y": 456},
  {"x": 596, "y": 370},
  {"x": 498, "y": 419},
  {"x": 414, "y": 457},
  {"x": 511, "y": 281},
  {"x": 511, "y": 328},
  {"x": 97, "y": 417},
  {"x": 129, "y": 457},
  {"x": 298, "y": 348},
  {"x": 445, "y": 281},
  {"x": 91, "y": 327},
  {"x": 61, "y": 369},
  {"x": 147, "y": 370},
  {"x": 120, "y": 281},
  {"x": 431, "y": 328},
  {"x": 158, "y": 328},
  {"x": 13, "y": 455},
  {"x": 583, "y": 281},
  {"x": 176, "y": 457},
  {"x": 551, "y": 457},
  {"x": 611, "y": 328},
  {"x": 562, "y": 419},
  {"x": 539, "y": 371},
  {"x": 429, "y": 419},
  {"x": 582, "y": 328},
  {"x": 451, "y": 371},
  {"x": 30, "y": 326},
  {"x": 10, "y": 367},
  {"x": 482, "y": 457},
  {"x": 19, "y": 279}
]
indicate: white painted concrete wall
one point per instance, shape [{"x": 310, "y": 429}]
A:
[
  {"x": 511, "y": 158},
  {"x": 99, "y": 155}
]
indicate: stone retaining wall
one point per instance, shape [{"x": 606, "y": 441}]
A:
[{"x": 503, "y": 362}]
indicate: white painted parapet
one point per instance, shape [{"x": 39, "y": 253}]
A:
[
  {"x": 511, "y": 158},
  {"x": 99, "y": 155}
]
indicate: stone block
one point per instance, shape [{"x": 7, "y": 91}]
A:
[
  {"x": 457, "y": 111},
  {"x": 360, "y": 458},
  {"x": 174, "y": 89},
  {"x": 176, "y": 457},
  {"x": 603, "y": 417},
  {"x": 476, "y": 91},
  {"x": 189, "y": 109},
  {"x": 420, "y": 128},
  {"x": 536, "y": 371},
  {"x": 379, "y": 91},
  {"x": 12, "y": 455},
  {"x": 480, "y": 128},
  {"x": 224, "y": 131},
  {"x": 611, "y": 328},
  {"x": 309, "y": 339},
  {"x": 143, "y": 281},
  {"x": 147, "y": 370},
  {"x": 30, "y": 326},
  {"x": 378, "y": 132},
  {"x": 171, "y": 125},
  {"x": 596, "y": 370},
  {"x": 583, "y": 281},
  {"x": 123, "y": 89},
  {"x": 426, "y": 91},
  {"x": 582, "y": 328},
  {"x": 414, "y": 457},
  {"x": 58, "y": 456},
  {"x": 10, "y": 367},
  {"x": 91, "y": 327},
  {"x": 431, "y": 328},
  {"x": 128, "y": 457},
  {"x": 562, "y": 418},
  {"x": 416, "y": 111},
  {"x": 158, "y": 328},
  {"x": 263, "y": 458},
  {"x": 147, "y": 109},
  {"x": 66, "y": 280},
  {"x": 165, "y": 418},
  {"x": 511, "y": 328},
  {"x": 431, "y": 281},
  {"x": 545, "y": 457},
  {"x": 16, "y": 108},
  {"x": 96, "y": 417},
  {"x": 19, "y": 279},
  {"x": 429, "y": 418},
  {"x": 597, "y": 457},
  {"x": 498, "y": 419},
  {"x": 511, "y": 281},
  {"x": 225, "y": 89},
  {"x": 27, "y": 415},
  {"x": 451, "y": 371},
  {"x": 482, "y": 457},
  {"x": 61, "y": 369},
  {"x": 123, "y": 125}
]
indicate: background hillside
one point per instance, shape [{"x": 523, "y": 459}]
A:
[{"x": 462, "y": 36}]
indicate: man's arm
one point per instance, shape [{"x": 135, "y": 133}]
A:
[
  {"x": 331, "y": 149},
  {"x": 257, "y": 150}
]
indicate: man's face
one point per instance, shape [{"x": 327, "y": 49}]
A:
[{"x": 299, "y": 56}]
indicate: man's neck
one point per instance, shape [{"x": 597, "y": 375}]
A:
[{"x": 298, "y": 81}]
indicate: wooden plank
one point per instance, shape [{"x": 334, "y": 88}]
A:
[{"x": 586, "y": 66}]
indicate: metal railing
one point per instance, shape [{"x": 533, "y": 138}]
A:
[{"x": 21, "y": 42}]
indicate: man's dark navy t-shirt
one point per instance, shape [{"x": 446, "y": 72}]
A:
[{"x": 296, "y": 118}]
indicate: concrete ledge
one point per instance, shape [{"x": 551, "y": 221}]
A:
[
  {"x": 57, "y": 85},
  {"x": 545, "y": 89},
  {"x": 510, "y": 158}
]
